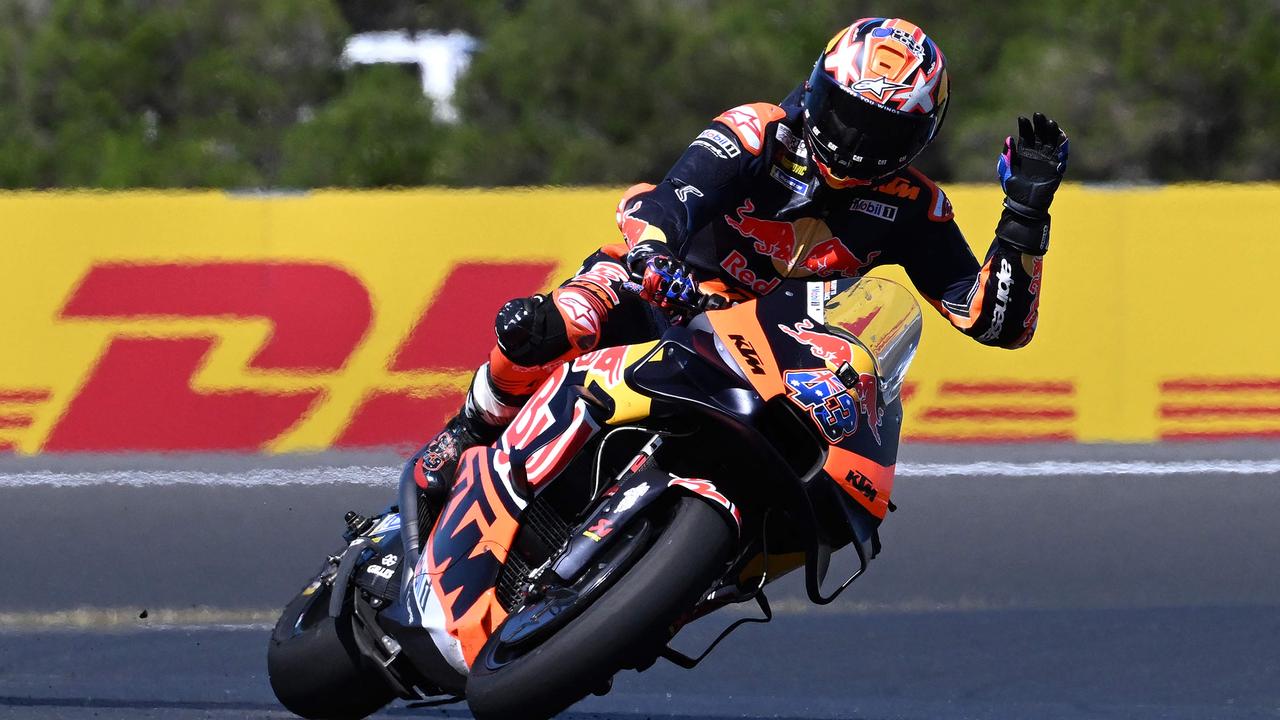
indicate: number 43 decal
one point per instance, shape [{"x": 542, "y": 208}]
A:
[{"x": 827, "y": 400}]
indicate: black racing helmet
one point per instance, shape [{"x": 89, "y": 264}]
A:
[{"x": 877, "y": 97}]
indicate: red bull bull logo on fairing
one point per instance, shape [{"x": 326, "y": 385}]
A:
[{"x": 823, "y": 345}]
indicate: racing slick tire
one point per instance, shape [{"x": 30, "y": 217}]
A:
[
  {"x": 629, "y": 621},
  {"x": 315, "y": 668}
]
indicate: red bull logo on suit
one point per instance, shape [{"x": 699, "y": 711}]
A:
[
  {"x": 801, "y": 248},
  {"x": 773, "y": 238},
  {"x": 832, "y": 257}
]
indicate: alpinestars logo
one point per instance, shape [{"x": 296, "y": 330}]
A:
[
  {"x": 1004, "y": 285},
  {"x": 878, "y": 86}
]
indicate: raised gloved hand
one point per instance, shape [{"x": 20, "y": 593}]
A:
[
  {"x": 664, "y": 279},
  {"x": 1030, "y": 170}
]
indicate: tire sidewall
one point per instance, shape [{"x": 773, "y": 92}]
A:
[
  {"x": 629, "y": 620},
  {"x": 318, "y": 672}
]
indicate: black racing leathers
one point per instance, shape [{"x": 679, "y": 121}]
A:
[{"x": 745, "y": 205}]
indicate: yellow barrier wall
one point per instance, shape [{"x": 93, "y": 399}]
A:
[{"x": 205, "y": 321}]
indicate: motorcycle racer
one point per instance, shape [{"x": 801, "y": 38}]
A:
[{"x": 820, "y": 186}]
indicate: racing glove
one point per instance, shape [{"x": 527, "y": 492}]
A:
[
  {"x": 664, "y": 279},
  {"x": 1030, "y": 170}
]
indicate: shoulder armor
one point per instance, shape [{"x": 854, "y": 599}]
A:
[{"x": 748, "y": 122}]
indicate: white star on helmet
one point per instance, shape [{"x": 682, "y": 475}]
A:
[{"x": 921, "y": 95}]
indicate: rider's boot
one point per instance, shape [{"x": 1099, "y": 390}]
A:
[{"x": 480, "y": 421}]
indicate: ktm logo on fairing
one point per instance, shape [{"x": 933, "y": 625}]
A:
[
  {"x": 899, "y": 187},
  {"x": 748, "y": 353},
  {"x": 862, "y": 484},
  {"x": 462, "y": 549}
]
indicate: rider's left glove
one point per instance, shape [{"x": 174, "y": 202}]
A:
[{"x": 1030, "y": 170}]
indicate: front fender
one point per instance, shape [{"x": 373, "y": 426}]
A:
[{"x": 708, "y": 491}]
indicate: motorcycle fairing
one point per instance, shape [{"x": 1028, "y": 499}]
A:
[
  {"x": 463, "y": 555},
  {"x": 619, "y": 385},
  {"x": 741, "y": 333},
  {"x": 865, "y": 480},
  {"x": 860, "y": 431},
  {"x": 605, "y": 375},
  {"x": 454, "y": 583}
]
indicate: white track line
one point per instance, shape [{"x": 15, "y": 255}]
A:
[
  {"x": 164, "y": 619},
  {"x": 387, "y": 476},
  {"x": 257, "y": 477},
  {"x": 1054, "y": 468}
]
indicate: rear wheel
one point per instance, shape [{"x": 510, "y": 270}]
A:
[
  {"x": 626, "y": 624},
  {"x": 315, "y": 668}
]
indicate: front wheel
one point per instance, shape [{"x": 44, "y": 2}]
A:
[
  {"x": 314, "y": 666},
  {"x": 630, "y": 619}
]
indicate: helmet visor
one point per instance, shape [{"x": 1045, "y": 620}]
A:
[{"x": 857, "y": 138}]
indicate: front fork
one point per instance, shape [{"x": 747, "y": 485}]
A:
[
  {"x": 634, "y": 490},
  {"x": 594, "y": 556}
]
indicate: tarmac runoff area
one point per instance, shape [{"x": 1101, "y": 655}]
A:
[{"x": 1015, "y": 582}]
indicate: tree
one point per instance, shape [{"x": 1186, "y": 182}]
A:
[
  {"x": 472, "y": 16},
  {"x": 21, "y": 154},
  {"x": 198, "y": 93},
  {"x": 579, "y": 91},
  {"x": 378, "y": 132},
  {"x": 232, "y": 93}
]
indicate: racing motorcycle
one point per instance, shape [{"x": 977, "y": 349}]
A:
[{"x": 642, "y": 487}]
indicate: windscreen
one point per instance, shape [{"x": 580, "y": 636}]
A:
[{"x": 881, "y": 314}]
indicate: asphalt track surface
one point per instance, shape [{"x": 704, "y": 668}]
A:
[{"x": 1047, "y": 595}]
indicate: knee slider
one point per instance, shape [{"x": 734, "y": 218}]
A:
[{"x": 531, "y": 331}]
